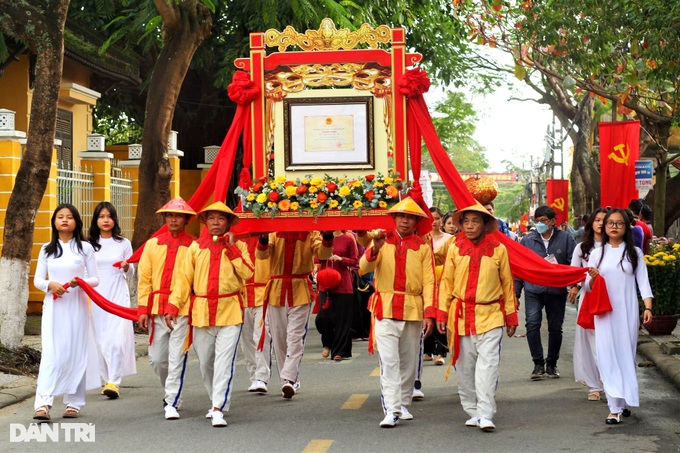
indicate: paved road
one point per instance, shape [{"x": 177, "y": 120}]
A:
[{"x": 338, "y": 410}]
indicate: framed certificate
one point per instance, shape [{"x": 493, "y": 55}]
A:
[{"x": 328, "y": 133}]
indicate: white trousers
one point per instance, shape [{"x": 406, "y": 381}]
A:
[
  {"x": 288, "y": 329},
  {"x": 477, "y": 370},
  {"x": 258, "y": 363},
  {"x": 216, "y": 348},
  {"x": 398, "y": 343},
  {"x": 76, "y": 400},
  {"x": 165, "y": 354}
]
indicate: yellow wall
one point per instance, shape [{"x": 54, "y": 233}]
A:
[{"x": 14, "y": 92}]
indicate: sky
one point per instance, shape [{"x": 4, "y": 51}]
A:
[{"x": 512, "y": 130}]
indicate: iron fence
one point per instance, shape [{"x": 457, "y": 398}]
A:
[
  {"x": 121, "y": 198},
  {"x": 77, "y": 188}
]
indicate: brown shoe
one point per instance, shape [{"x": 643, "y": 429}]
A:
[
  {"x": 42, "y": 413},
  {"x": 71, "y": 412}
]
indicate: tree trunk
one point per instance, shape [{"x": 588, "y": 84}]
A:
[
  {"x": 584, "y": 169},
  {"x": 185, "y": 26},
  {"x": 43, "y": 29}
]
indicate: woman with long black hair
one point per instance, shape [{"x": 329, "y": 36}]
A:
[
  {"x": 623, "y": 268},
  {"x": 585, "y": 357},
  {"x": 68, "y": 365},
  {"x": 115, "y": 336}
]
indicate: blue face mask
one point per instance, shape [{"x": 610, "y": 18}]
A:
[{"x": 542, "y": 227}]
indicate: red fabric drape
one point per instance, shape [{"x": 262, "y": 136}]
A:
[
  {"x": 594, "y": 303},
  {"x": 105, "y": 304},
  {"x": 557, "y": 197},
  {"x": 524, "y": 263},
  {"x": 619, "y": 149}
]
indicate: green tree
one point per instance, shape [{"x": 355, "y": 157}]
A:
[
  {"x": 39, "y": 24},
  {"x": 602, "y": 51}
]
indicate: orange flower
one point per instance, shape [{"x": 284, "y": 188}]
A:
[
  {"x": 284, "y": 205},
  {"x": 391, "y": 191},
  {"x": 322, "y": 197},
  {"x": 301, "y": 190},
  {"x": 369, "y": 195}
]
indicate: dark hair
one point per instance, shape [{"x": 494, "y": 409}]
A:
[
  {"x": 491, "y": 204},
  {"x": 631, "y": 216},
  {"x": 588, "y": 242},
  {"x": 434, "y": 209},
  {"x": 95, "y": 233},
  {"x": 646, "y": 212},
  {"x": 635, "y": 206},
  {"x": 53, "y": 247},
  {"x": 627, "y": 240},
  {"x": 586, "y": 217},
  {"x": 545, "y": 211}
]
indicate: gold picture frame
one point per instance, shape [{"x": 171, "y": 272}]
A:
[{"x": 328, "y": 133}]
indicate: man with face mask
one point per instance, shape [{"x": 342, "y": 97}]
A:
[{"x": 556, "y": 246}]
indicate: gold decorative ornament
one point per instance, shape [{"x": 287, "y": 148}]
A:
[{"x": 327, "y": 37}]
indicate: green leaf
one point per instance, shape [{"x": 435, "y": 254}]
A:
[{"x": 520, "y": 72}]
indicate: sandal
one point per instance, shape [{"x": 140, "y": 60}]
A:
[
  {"x": 42, "y": 413},
  {"x": 594, "y": 396},
  {"x": 337, "y": 358},
  {"x": 71, "y": 412},
  {"x": 613, "y": 419},
  {"x": 626, "y": 413}
]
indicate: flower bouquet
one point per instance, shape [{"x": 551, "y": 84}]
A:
[
  {"x": 663, "y": 267},
  {"x": 313, "y": 195}
]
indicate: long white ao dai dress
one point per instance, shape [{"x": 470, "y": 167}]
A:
[
  {"x": 115, "y": 336},
  {"x": 69, "y": 363},
  {"x": 616, "y": 332}
]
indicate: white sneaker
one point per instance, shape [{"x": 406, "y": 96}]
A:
[
  {"x": 473, "y": 422},
  {"x": 218, "y": 420},
  {"x": 389, "y": 421},
  {"x": 418, "y": 394},
  {"x": 258, "y": 386},
  {"x": 288, "y": 390},
  {"x": 486, "y": 425},
  {"x": 405, "y": 414},
  {"x": 171, "y": 413},
  {"x": 209, "y": 414}
]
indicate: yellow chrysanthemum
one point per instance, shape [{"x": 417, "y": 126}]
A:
[
  {"x": 251, "y": 196},
  {"x": 676, "y": 246},
  {"x": 313, "y": 204},
  {"x": 670, "y": 258},
  {"x": 273, "y": 186},
  {"x": 344, "y": 191},
  {"x": 290, "y": 191},
  {"x": 271, "y": 204},
  {"x": 357, "y": 204},
  {"x": 382, "y": 204},
  {"x": 313, "y": 189},
  {"x": 378, "y": 184},
  {"x": 356, "y": 184},
  {"x": 304, "y": 181},
  {"x": 388, "y": 180},
  {"x": 316, "y": 181},
  {"x": 261, "y": 198},
  {"x": 280, "y": 179},
  {"x": 341, "y": 180},
  {"x": 294, "y": 206},
  {"x": 333, "y": 204}
]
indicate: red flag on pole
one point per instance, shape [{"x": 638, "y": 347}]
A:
[
  {"x": 619, "y": 149},
  {"x": 524, "y": 223},
  {"x": 557, "y": 196}
]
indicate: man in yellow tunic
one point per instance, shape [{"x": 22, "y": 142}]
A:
[
  {"x": 477, "y": 300},
  {"x": 402, "y": 305},
  {"x": 213, "y": 275},
  {"x": 288, "y": 295},
  {"x": 157, "y": 272},
  {"x": 258, "y": 361}
]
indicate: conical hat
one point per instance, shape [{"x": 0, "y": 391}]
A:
[
  {"x": 177, "y": 205},
  {"x": 221, "y": 207},
  {"x": 491, "y": 222},
  {"x": 407, "y": 206}
]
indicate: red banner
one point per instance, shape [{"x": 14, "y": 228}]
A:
[
  {"x": 524, "y": 223},
  {"x": 619, "y": 149},
  {"x": 557, "y": 196}
]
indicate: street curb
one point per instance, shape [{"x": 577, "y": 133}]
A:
[
  {"x": 668, "y": 365},
  {"x": 17, "y": 391}
]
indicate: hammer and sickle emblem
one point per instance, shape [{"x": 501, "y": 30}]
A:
[
  {"x": 623, "y": 152},
  {"x": 558, "y": 204}
]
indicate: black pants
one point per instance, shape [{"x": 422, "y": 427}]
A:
[
  {"x": 554, "y": 305},
  {"x": 361, "y": 317},
  {"x": 436, "y": 344},
  {"x": 334, "y": 323}
]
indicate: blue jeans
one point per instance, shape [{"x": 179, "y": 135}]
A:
[{"x": 554, "y": 305}]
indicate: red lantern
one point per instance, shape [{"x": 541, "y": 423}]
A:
[{"x": 328, "y": 277}]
